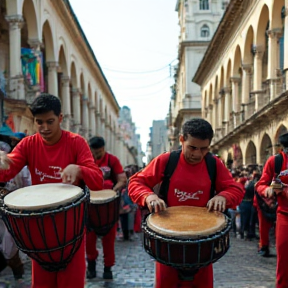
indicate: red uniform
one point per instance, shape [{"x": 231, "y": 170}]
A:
[
  {"x": 108, "y": 241},
  {"x": 282, "y": 219},
  {"x": 46, "y": 162},
  {"x": 189, "y": 185}
]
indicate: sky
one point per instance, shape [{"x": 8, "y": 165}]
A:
[{"x": 136, "y": 44}]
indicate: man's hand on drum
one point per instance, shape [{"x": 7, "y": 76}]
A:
[
  {"x": 71, "y": 174},
  {"x": 217, "y": 203},
  {"x": 270, "y": 192},
  {"x": 5, "y": 161},
  {"x": 154, "y": 203}
]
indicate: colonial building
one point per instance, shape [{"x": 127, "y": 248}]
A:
[
  {"x": 43, "y": 49},
  {"x": 244, "y": 78},
  {"x": 198, "y": 20}
]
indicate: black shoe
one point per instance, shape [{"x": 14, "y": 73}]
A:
[
  {"x": 107, "y": 273},
  {"x": 264, "y": 251},
  {"x": 91, "y": 270}
]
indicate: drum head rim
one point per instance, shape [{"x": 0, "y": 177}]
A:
[
  {"x": 43, "y": 206},
  {"x": 187, "y": 234},
  {"x": 101, "y": 200}
]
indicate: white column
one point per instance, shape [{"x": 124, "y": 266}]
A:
[
  {"x": 66, "y": 105},
  {"x": 98, "y": 123},
  {"x": 52, "y": 78},
  {"x": 85, "y": 115},
  {"x": 247, "y": 70},
  {"x": 92, "y": 115},
  {"x": 16, "y": 81},
  {"x": 286, "y": 44},
  {"x": 257, "y": 73},
  {"x": 76, "y": 109}
]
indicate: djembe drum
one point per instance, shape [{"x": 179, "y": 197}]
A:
[
  {"x": 103, "y": 211},
  {"x": 186, "y": 238},
  {"x": 47, "y": 222}
]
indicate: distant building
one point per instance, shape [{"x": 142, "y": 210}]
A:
[
  {"x": 158, "y": 139},
  {"x": 198, "y": 22},
  {"x": 131, "y": 139}
]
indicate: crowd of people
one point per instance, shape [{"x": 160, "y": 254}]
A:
[{"x": 197, "y": 178}]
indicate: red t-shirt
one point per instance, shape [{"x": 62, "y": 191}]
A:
[
  {"x": 189, "y": 185},
  {"x": 46, "y": 162},
  {"x": 266, "y": 179},
  {"x": 111, "y": 161}
]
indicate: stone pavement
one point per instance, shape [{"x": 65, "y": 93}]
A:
[{"x": 241, "y": 267}]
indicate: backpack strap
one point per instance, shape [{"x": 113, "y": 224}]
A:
[
  {"x": 169, "y": 170},
  {"x": 171, "y": 166},
  {"x": 278, "y": 163},
  {"x": 211, "y": 167}
]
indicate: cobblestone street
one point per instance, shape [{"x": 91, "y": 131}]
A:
[{"x": 241, "y": 267}]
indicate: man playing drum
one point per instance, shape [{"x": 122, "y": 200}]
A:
[
  {"x": 189, "y": 186},
  {"x": 54, "y": 155},
  {"x": 264, "y": 188},
  {"x": 114, "y": 178}
]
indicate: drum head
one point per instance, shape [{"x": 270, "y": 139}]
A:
[
  {"x": 102, "y": 196},
  {"x": 44, "y": 196},
  {"x": 186, "y": 222}
]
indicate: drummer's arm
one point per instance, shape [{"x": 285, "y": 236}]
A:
[
  {"x": 266, "y": 177},
  {"x": 90, "y": 172},
  {"x": 17, "y": 160},
  {"x": 141, "y": 184},
  {"x": 121, "y": 181},
  {"x": 227, "y": 187}
]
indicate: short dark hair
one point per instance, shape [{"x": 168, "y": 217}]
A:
[
  {"x": 283, "y": 139},
  {"x": 45, "y": 103},
  {"x": 96, "y": 142},
  {"x": 198, "y": 128}
]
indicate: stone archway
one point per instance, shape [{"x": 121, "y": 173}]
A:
[
  {"x": 266, "y": 149},
  {"x": 250, "y": 157}
]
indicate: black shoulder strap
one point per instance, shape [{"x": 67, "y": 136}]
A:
[
  {"x": 211, "y": 167},
  {"x": 278, "y": 163},
  {"x": 169, "y": 170},
  {"x": 171, "y": 166}
]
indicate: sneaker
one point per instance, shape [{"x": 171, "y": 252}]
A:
[
  {"x": 91, "y": 270},
  {"x": 107, "y": 274},
  {"x": 264, "y": 251}
]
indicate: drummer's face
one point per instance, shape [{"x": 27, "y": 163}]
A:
[
  {"x": 48, "y": 126},
  {"x": 194, "y": 149},
  {"x": 98, "y": 153}
]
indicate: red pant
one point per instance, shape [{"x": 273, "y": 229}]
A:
[
  {"x": 167, "y": 277},
  {"x": 72, "y": 277},
  {"x": 264, "y": 227},
  {"x": 108, "y": 242},
  {"x": 282, "y": 251}
]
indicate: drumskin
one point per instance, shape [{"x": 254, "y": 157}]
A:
[
  {"x": 46, "y": 164},
  {"x": 282, "y": 219},
  {"x": 189, "y": 186}
]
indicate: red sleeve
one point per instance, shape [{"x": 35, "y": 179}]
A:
[
  {"x": 91, "y": 173},
  {"x": 227, "y": 187},
  {"x": 115, "y": 164},
  {"x": 19, "y": 157},
  {"x": 141, "y": 184},
  {"x": 267, "y": 176}
]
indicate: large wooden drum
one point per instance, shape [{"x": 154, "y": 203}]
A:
[
  {"x": 47, "y": 222},
  {"x": 186, "y": 237},
  {"x": 103, "y": 211}
]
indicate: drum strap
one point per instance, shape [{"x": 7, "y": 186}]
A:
[
  {"x": 278, "y": 163},
  {"x": 171, "y": 166}
]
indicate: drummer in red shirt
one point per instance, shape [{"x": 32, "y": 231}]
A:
[
  {"x": 54, "y": 155},
  {"x": 264, "y": 189},
  {"x": 114, "y": 178},
  {"x": 190, "y": 176}
]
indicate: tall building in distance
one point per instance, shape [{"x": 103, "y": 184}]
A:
[
  {"x": 198, "y": 21},
  {"x": 158, "y": 139}
]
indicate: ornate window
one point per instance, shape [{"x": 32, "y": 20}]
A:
[
  {"x": 205, "y": 31},
  {"x": 204, "y": 4}
]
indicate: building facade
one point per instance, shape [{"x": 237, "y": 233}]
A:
[
  {"x": 198, "y": 20},
  {"x": 244, "y": 78},
  {"x": 43, "y": 49},
  {"x": 131, "y": 139}
]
